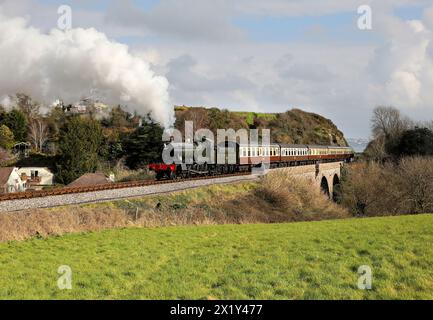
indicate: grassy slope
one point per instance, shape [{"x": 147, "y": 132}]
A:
[{"x": 302, "y": 260}]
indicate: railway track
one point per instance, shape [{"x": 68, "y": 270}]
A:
[{"x": 112, "y": 186}]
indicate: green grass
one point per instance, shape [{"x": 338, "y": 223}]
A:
[
  {"x": 250, "y": 116},
  {"x": 312, "y": 260}
]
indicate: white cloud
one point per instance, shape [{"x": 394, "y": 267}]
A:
[
  {"x": 70, "y": 64},
  {"x": 402, "y": 69}
]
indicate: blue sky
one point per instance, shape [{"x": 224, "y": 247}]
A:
[{"x": 273, "y": 55}]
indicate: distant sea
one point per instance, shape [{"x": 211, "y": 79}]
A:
[{"x": 358, "y": 144}]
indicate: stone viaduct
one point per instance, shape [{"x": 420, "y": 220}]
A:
[{"x": 324, "y": 176}]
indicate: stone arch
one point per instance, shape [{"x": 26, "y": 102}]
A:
[
  {"x": 324, "y": 186},
  {"x": 335, "y": 187}
]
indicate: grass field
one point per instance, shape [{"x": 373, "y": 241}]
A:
[{"x": 311, "y": 260}]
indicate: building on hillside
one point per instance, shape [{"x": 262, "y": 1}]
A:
[
  {"x": 92, "y": 179},
  {"x": 36, "y": 178},
  {"x": 10, "y": 181}
]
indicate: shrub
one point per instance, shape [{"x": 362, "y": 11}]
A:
[
  {"x": 297, "y": 197},
  {"x": 416, "y": 184},
  {"x": 372, "y": 189}
]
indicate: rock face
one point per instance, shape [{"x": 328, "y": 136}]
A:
[{"x": 294, "y": 126}]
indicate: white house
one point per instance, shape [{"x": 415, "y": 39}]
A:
[
  {"x": 36, "y": 177},
  {"x": 10, "y": 181}
]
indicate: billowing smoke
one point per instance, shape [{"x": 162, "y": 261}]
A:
[{"x": 68, "y": 65}]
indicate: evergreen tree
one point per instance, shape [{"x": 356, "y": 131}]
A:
[
  {"x": 16, "y": 121},
  {"x": 143, "y": 146},
  {"x": 415, "y": 142},
  {"x": 79, "y": 143}
]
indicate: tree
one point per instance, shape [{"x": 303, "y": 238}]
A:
[
  {"x": 415, "y": 142},
  {"x": 6, "y": 138},
  {"x": 16, "y": 121},
  {"x": 79, "y": 142},
  {"x": 55, "y": 120},
  {"x": 388, "y": 122},
  {"x": 387, "y": 125},
  {"x": 376, "y": 149},
  {"x": 27, "y": 106},
  {"x": 141, "y": 146},
  {"x": 38, "y": 134},
  {"x": 119, "y": 118}
]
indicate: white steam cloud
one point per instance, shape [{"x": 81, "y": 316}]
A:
[{"x": 68, "y": 65}]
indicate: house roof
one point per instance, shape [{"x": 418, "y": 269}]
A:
[
  {"x": 90, "y": 179},
  {"x": 5, "y": 173}
]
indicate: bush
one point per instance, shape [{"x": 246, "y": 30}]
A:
[
  {"x": 297, "y": 197},
  {"x": 416, "y": 184},
  {"x": 6, "y": 138},
  {"x": 371, "y": 189}
]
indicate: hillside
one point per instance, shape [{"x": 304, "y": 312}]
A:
[
  {"x": 308, "y": 260},
  {"x": 294, "y": 126}
]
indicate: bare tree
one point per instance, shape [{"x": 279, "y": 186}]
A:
[
  {"x": 388, "y": 125},
  {"x": 38, "y": 134},
  {"x": 29, "y": 107},
  {"x": 376, "y": 149},
  {"x": 388, "y": 122}
]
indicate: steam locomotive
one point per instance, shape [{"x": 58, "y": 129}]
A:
[{"x": 243, "y": 158}]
